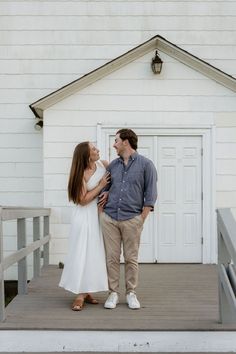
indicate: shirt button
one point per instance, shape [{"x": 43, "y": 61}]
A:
[
  {"x": 118, "y": 208},
  {"x": 120, "y": 199}
]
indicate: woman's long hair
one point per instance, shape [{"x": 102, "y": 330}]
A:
[{"x": 80, "y": 162}]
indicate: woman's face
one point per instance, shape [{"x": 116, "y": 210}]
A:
[{"x": 94, "y": 153}]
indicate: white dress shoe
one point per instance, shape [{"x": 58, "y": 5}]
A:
[
  {"x": 132, "y": 301},
  {"x": 112, "y": 301}
]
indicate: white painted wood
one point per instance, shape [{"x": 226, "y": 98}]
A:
[
  {"x": 116, "y": 341},
  {"x": 20, "y": 141},
  {"x": 180, "y": 204},
  {"x": 20, "y": 169},
  {"x": 226, "y": 183},
  {"x": 32, "y": 184},
  {"x": 65, "y": 134},
  {"x": 21, "y": 155},
  {"x": 153, "y": 87},
  {"x": 146, "y": 103},
  {"x": 26, "y": 37},
  {"x": 57, "y": 165},
  {"x": 226, "y": 167},
  {"x": 226, "y": 199},
  {"x": 23, "y": 198},
  {"x": 134, "y": 7},
  {"x": 69, "y": 118},
  {"x": 225, "y": 151},
  {"x": 226, "y": 134}
]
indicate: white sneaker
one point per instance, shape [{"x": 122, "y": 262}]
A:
[
  {"x": 132, "y": 301},
  {"x": 112, "y": 301}
]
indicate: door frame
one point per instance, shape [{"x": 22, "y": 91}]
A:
[{"x": 207, "y": 133}]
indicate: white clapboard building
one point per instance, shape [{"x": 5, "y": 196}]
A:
[
  {"x": 84, "y": 69},
  {"x": 180, "y": 135}
]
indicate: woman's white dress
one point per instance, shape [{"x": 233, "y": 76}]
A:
[{"x": 85, "y": 266}]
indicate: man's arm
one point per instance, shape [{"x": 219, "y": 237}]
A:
[{"x": 150, "y": 188}]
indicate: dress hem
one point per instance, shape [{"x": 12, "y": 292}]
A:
[{"x": 83, "y": 291}]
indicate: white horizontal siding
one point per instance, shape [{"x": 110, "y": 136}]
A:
[
  {"x": 149, "y": 103},
  {"x": 99, "y": 37},
  {"x": 22, "y": 198},
  {"x": 122, "y": 8},
  {"x": 20, "y": 155},
  {"x": 106, "y": 52},
  {"x": 66, "y": 134},
  {"x": 226, "y": 167},
  {"x": 226, "y": 199},
  {"x": 30, "y": 140},
  {"x": 43, "y": 71},
  {"x": 226, "y": 159},
  {"x": 31, "y": 184},
  {"x": 91, "y": 118},
  {"x": 21, "y": 169}
]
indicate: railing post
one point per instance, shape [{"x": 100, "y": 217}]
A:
[
  {"x": 226, "y": 254},
  {"x": 46, "y": 246},
  {"x": 2, "y": 291},
  {"x": 36, "y": 237},
  {"x": 22, "y": 264}
]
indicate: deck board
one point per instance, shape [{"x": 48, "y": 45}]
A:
[{"x": 173, "y": 297}]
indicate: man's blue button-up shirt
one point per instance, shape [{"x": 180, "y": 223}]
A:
[{"x": 132, "y": 187}]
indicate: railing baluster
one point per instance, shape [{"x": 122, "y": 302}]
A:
[
  {"x": 22, "y": 264},
  {"x": 36, "y": 255},
  {"x": 46, "y": 246},
  {"x": 2, "y": 292}
]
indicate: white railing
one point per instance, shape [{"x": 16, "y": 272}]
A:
[
  {"x": 23, "y": 250},
  {"x": 226, "y": 228}
]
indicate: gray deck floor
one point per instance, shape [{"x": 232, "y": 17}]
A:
[{"x": 172, "y": 296}]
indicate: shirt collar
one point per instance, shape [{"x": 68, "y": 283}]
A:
[{"x": 132, "y": 157}]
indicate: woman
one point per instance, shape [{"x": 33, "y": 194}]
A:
[{"x": 85, "y": 266}]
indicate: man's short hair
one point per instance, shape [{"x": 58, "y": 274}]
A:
[{"x": 128, "y": 134}]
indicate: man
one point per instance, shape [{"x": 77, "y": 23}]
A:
[{"x": 132, "y": 195}]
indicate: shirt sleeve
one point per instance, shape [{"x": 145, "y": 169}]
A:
[
  {"x": 108, "y": 186},
  {"x": 150, "y": 185}
]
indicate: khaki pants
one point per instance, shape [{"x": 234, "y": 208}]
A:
[{"x": 115, "y": 233}]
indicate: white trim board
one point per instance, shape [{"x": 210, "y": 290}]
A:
[
  {"x": 117, "y": 341},
  {"x": 207, "y": 133}
]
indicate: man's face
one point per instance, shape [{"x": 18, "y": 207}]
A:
[{"x": 119, "y": 145}]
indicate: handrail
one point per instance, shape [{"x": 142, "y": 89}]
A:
[
  {"x": 21, "y": 214},
  {"x": 226, "y": 229}
]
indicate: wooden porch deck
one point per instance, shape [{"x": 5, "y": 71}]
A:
[{"x": 174, "y": 297}]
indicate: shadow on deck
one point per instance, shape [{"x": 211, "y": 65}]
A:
[{"x": 174, "y": 297}]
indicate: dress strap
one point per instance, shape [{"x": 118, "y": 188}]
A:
[{"x": 99, "y": 162}]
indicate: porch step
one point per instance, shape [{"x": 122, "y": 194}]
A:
[{"x": 117, "y": 341}]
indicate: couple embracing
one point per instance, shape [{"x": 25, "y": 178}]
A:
[{"x": 112, "y": 202}]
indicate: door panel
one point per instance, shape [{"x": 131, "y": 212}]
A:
[{"x": 179, "y": 217}]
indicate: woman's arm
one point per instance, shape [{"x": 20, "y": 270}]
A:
[{"x": 87, "y": 197}]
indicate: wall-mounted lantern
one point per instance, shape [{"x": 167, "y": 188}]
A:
[{"x": 156, "y": 64}]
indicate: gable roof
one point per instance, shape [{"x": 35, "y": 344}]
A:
[{"x": 156, "y": 42}]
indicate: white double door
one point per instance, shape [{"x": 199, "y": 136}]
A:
[{"x": 173, "y": 232}]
